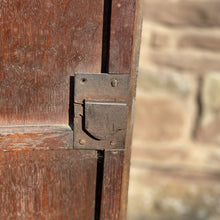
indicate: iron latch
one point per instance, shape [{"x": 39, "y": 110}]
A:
[{"x": 100, "y": 110}]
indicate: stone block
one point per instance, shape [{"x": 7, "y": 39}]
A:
[
  {"x": 164, "y": 108},
  {"x": 156, "y": 80},
  {"x": 184, "y": 61},
  {"x": 181, "y": 13},
  {"x": 159, "y": 40},
  {"x": 200, "y": 41},
  {"x": 188, "y": 156},
  {"x": 158, "y": 118},
  {"x": 172, "y": 194},
  {"x": 209, "y": 124}
]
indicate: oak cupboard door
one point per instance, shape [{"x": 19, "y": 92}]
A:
[{"x": 43, "y": 44}]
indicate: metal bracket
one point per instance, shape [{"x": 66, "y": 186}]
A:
[{"x": 100, "y": 110}]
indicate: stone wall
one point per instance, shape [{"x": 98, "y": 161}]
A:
[{"x": 175, "y": 173}]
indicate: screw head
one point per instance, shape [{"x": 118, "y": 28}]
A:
[
  {"x": 112, "y": 143},
  {"x": 82, "y": 142},
  {"x": 83, "y": 80},
  {"x": 114, "y": 83}
]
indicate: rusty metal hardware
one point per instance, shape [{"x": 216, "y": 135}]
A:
[{"x": 100, "y": 110}]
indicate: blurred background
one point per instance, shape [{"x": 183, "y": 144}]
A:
[{"x": 175, "y": 167}]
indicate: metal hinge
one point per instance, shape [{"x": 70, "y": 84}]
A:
[{"x": 100, "y": 110}]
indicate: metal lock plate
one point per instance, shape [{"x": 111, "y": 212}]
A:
[{"x": 100, "y": 110}]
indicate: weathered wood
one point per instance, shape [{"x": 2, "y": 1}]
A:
[
  {"x": 134, "y": 70},
  {"x": 47, "y": 184},
  {"x": 124, "y": 57},
  {"x": 42, "y": 44},
  {"x": 112, "y": 185},
  {"x": 35, "y": 137},
  {"x": 121, "y": 35}
]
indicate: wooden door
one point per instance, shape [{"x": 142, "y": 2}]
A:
[{"x": 43, "y": 43}]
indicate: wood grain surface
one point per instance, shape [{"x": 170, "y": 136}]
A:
[
  {"x": 125, "y": 35},
  {"x": 42, "y": 44},
  {"x": 121, "y": 35},
  {"x": 35, "y": 138},
  {"x": 47, "y": 185},
  {"x": 112, "y": 185}
]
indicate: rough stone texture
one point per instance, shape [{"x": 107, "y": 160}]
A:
[
  {"x": 189, "y": 157},
  {"x": 152, "y": 80},
  {"x": 209, "y": 127},
  {"x": 200, "y": 42},
  {"x": 164, "y": 107},
  {"x": 156, "y": 194},
  {"x": 175, "y": 170},
  {"x": 159, "y": 40},
  {"x": 160, "y": 119},
  {"x": 199, "y": 13},
  {"x": 181, "y": 61}
]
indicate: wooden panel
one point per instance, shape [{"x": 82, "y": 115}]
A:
[
  {"x": 124, "y": 56},
  {"x": 112, "y": 185},
  {"x": 47, "y": 185},
  {"x": 121, "y": 36},
  {"x": 35, "y": 137},
  {"x": 42, "y": 44}
]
